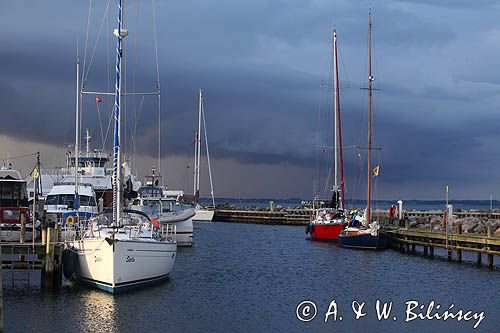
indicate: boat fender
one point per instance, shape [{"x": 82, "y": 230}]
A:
[
  {"x": 70, "y": 219},
  {"x": 311, "y": 229},
  {"x": 70, "y": 262}
]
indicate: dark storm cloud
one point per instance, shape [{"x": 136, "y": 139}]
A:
[
  {"x": 450, "y": 4},
  {"x": 260, "y": 65}
]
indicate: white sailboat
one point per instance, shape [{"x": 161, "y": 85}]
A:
[
  {"x": 122, "y": 249},
  {"x": 202, "y": 214}
]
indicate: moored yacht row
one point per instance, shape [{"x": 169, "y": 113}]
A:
[{"x": 120, "y": 233}]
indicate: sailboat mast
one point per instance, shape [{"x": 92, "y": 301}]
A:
[
  {"x": 77, "y": 125},
  {"x": 369, "y": 146},
  {"x": 117, "y": 187},
  {"x": 339, "y": 122},
  {"x": 335, "y": 121},
  {"x": 198, "y": 145}
]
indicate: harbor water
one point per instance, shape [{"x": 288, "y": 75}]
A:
[{"x": 251, "y": 278}]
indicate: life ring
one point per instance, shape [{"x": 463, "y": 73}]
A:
[{"x": 70, "y": 219}]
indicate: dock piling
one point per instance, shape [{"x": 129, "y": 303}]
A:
[
  {"x": 490, "y": 261},
  {"x": 48, "y": 273},
  {"x": 22, "y": 234}
]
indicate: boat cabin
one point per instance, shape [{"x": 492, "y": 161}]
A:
[{"x": 12, "y": 189}]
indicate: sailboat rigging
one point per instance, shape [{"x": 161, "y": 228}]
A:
[
  {"x": 132, "y": 249},
  {"x": 328, "y": 222},
  {"x": 202, "y": 214},
  {"x": 365, "y": 236}
]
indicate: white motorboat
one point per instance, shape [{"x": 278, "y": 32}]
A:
[
  {"x": 61, "y": 201},
  {"x": 166, "y": 210}
]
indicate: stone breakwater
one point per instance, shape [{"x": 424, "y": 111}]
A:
[{"x": 469, "y": 225}]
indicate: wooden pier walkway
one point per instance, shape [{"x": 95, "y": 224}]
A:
[
  {"x": 22, "y": 257},
  {"x": 406, "y": 240},
  {"x": 296, "y": 216},
  {"x": 286, "y": 217}
]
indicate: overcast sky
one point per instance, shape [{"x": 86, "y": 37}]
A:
[{"x": 261, "y": 64}]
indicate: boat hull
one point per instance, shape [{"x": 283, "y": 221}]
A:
[
  {"x": 326, "y": 232},
  {"x": 123, "y": 264},
  {"x": 203, "y": 215},
  {"x": 360, "y": 241},
  {"x": 183, "y": 226}
]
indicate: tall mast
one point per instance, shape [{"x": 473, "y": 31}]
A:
[
  {"x": 117, "y": 187},
  {"x": 369, "y": 147},
  {"x": 198, "y": 145},
  {"x": 335, "y": 119},
  {"x": 338, "y": 120},
  {"x": 77, "y": 124},
  {"x": 159, "y": 127}
]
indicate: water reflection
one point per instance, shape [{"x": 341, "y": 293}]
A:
[{"x": 97, "y": 311}]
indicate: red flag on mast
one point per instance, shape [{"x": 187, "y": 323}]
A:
[{"x": 98, "y": 99}]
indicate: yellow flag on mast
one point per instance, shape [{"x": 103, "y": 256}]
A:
[{"x": 376, "y": 170}]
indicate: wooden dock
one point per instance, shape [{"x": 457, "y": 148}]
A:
[
  {"x": 407, "y": 240},
  {"x": 296, "y": 216},
  {"x": 285, "y": 217},
  {"x": 22, "y": 257}
]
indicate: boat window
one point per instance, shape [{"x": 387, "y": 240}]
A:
[
  {"x": 11, "y": 214},
  {"x": 60, "y": 199},
  {"x": 15, "y": 191},
  {"x": 51, "y": 200},
  {"x": 66, "y": 199},
  {"x": 150, "y": 191},
  {"x": 86, "y": 200},
  {"x": 6, "y": 191}
]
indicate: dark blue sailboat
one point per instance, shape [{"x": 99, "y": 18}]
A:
[{"x": 367, "y": 235}]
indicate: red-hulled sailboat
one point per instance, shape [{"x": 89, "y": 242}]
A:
[{"x": 328, "y": 220}]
